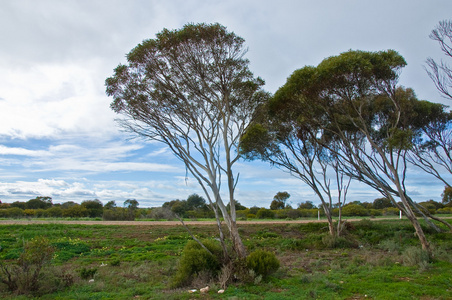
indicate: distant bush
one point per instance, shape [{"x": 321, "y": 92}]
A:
[
  {"x": 159, "y": 213},
  {"x": 354, "y": 210},
  {"x": 13, "y": 212},
  {"x": 265, "y": 213},
  {"x": 391, "y": 211},
  {"x": 445, "y": 210}
]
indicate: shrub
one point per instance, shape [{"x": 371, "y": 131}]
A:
[
  {"x": 196, "y": 261},
  {"x": 25, "y": 276},
  {"x": 354, "y": 210},
  {"x": 415, "y": 256},
  {"x": 265, "y": 213},
  {"x": 330, "y": 241},
  {"x": 445, "y": 210},
  {"x": 87, "y": 273},
  {"x": 262, "y": 262},
  {"x": 391, "y": 211}
]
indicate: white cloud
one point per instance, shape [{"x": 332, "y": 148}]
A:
[
  {"x": 50, "y": 100},
  {"x": 23, "y": 152}
]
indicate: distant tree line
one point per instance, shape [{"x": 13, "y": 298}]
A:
[{"x": 195, "y": 207}]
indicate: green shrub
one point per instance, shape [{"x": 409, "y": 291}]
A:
[
  {"x": 87, "y": 273},
  {"x": 265, "y": 213},
  {"x": 195, "y": 260},
  {"x": 262, "y": 262},
  {"x": 391, "y": 211},
  {"x": 415, "y": 256},
  {"x": 354, "y": 210},
  {"x": 25, "y": 276},
  {"x": 445, "y": 210},
  {"x": 330, "y": 241},
  {"x": 115, "y": 262}
]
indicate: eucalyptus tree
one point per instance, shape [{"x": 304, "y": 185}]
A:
[
  {"x": 192, "y": 90},
  {"x": 351, "y": 105},
  {"x": 276, "y": 137},
  {"x": 441, "y": 72}
]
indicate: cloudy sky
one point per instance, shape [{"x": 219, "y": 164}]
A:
[{"x": 58, "y": 136}]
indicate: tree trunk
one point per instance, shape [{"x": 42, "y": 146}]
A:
[
  {"x": 330, "y": 221},
  {"x": 237, "y": 243},
  {"x": 419, "y": 232}
]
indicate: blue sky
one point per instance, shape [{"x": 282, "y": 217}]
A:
[{"x": 58, "y": 136}]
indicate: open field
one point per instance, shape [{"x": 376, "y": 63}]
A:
[{"x": 375, "y": 260}]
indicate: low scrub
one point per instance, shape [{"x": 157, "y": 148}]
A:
[
  {"x": 24, "y": 276},
  {"x": 196, "y": 262}
]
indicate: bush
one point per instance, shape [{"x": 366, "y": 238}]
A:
[
  {"x": 87, "y": 273},
  {"x": 265, "y": 213},
  {"x": 196, "y": 261},
  {"x": 25, "y": 276},
  {"x": 445, "y": 210},
  {"x": 415, "y": 256},
  {"x": 354, "y": 210},
  {"x": 262, "y": 262},
  {"x": 391, "y": 211}
]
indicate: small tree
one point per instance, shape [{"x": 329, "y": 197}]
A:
[
  {"x": 382, "y": 202},
  {"x": 131, "y": 205},
  {"x": 94, "y": 207},
  {"x": 447, "y": 195},
  {"x": 279, "y": 200}
]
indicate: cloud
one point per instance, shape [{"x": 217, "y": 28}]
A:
[{"x": 23, "y": 152}]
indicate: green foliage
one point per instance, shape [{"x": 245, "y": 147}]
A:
[
  {"x": 447, "y": 195},
  {"x": 262, "y": 262},
  {"x": 391, "y": 211},
  {"x": 94, "y": 207},
  {"x": 25, "y": 276},
  {"x": 87, "y": 273},
  {"x": 264, "y": 213},
  {"x": 415, "y": 256},
  {"x": 114, "y": 262},
  {"x": 195, "y": 261},
  {"x": 354, "y": 210},
  {"x": 381, "y": 203},
  {"x": 330, "y": 241},
  {"x": 67, "y": 248},
  {"x": 76, "y": 211}
]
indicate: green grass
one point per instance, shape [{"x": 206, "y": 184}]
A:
[{"x": 370, "y": 262}]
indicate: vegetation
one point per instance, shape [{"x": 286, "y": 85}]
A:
[
  {"x": 191, "y": 89},
  {"x": 374, "y": 258}
]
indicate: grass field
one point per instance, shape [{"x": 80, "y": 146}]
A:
[{"x": 375, "y": 260}]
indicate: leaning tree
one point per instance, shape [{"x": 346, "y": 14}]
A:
[
  {"x": 192, "y": 90},
  {"x": 351, "y": 105}
]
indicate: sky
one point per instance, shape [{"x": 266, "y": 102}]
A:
[{"x": 59, "y": 138}]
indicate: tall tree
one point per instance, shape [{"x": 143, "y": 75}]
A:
[
  {"x": 351, "y": 105},
  {"x": 192, "y": 90},
  {"x": 279, "y": 200},
  {"x": 441, "y": 72}
]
